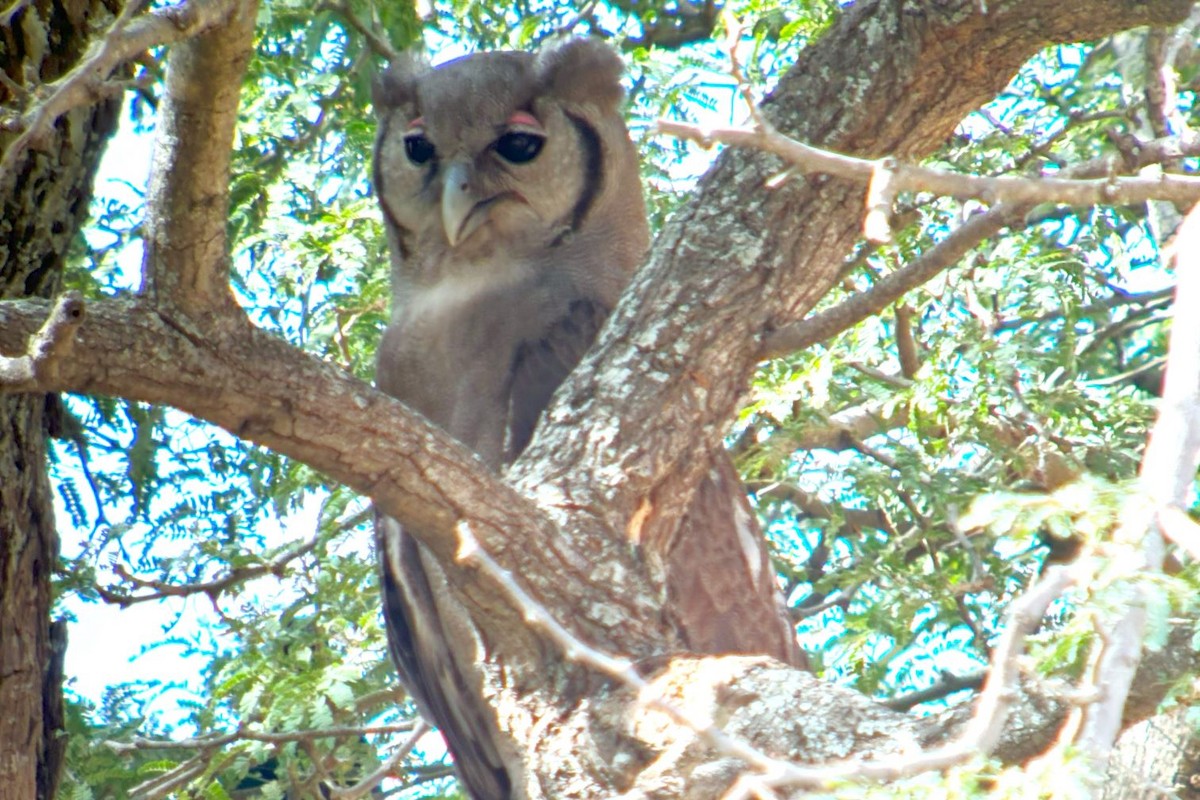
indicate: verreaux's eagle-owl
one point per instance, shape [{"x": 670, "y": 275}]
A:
[{"x": 510, "y": 193}]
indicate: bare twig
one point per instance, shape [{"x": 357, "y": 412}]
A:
[
  {"x": 947, "y": 683},
  {"x": 733, "y": 37},
  {"x": 841, "y": 597},
  {"x": 164, "y": 784},
  {"x": 1154, "y": 298},
  {"x": 881, "y": 196},
  {"x": 138, "y": 744},
  {"x": 891, "y": 287},
  {"x": 812, "y": 505},
  {"x": 209, "y": 746},
  {"x": 162, "y": 589},
  {"x": 687, "y": 21},
  {"x": 577, "y": 651},
  {"x": 52, "y": 342}
]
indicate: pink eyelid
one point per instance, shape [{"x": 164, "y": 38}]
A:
[{"x": 524, "y": 119}]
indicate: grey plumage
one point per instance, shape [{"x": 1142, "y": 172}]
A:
[{"x": 510, "y": 193}]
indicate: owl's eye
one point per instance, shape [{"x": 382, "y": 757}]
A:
[
  {"x": 519, "y": 147},
  {"x": 418, "y": 148}
]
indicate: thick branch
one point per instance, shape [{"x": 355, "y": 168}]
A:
[
  {"x": 263, "y": 390},
  {"x": 742, "y": 259},
  {"x": 186, "y": 264}
]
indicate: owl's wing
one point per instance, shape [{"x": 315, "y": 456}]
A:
[
  {"x": 541, "y": 365},
  {"x": 433, "y": 646}
]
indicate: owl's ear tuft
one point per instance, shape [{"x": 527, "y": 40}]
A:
[
  {"x": 396, "y": 86},
  {"x": 581, "y": 71}
]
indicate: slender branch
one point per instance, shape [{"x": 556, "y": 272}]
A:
[
  {"x": 164, "y": 784},
  {"x": 906, "y": 341},
  {"x": 947, "y": 684},
  {"x": 841, "y": 429},
  {"x": 622, "y": 669},
  {"x": 813, "y": 506},
  {"x": 947, "y": 252},
  {"x": 208, "y": 746},
  {"x": 387, "y": 768},
  {"x": 377, "y": 43},
  {"x": 128, "y": 38},
  {"x": 892, "y": 287},
  {"x": 1111, "y": 190},
  {"x": 139, "y": 744},
  {"x": 882, "y": 190},
  {"x": 840, "y": 598},
  {"x": 163, "y": 589},
  {"x": 1115, "y": 300}
]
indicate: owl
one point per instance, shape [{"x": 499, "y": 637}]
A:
[{"x": 510, "y": 194}]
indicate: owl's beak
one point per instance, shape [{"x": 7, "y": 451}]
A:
[{"x": 457, "y": 204}]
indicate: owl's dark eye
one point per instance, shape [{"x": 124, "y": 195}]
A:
[
  {"x": 418, "y": 149},
  {"x": 519, "y": 147}
]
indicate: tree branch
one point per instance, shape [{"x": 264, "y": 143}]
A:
[
  {"x": 186, "y": 262},
  {"x": 86, "y": 83},
  {"x": 159, "y": 590},
  {"x": 740, "y": 260},
  {"x": 138, "y": 743},
  {"x": 263, "y": 390},
  {"x": 887, "y": 177},
  {"x": 856, "y": 308},
  {"x": 947, "y": 684},
  {"x": 764, "y": 771},
  {"x": 378, "y": 44},
  {"x": 958, "y": 243}
]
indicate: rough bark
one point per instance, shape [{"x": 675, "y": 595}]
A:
[
  {"x": 45, "y": 201},
  {"x": 1157, "y": 758},
  {"x": 633, "y": 430}
]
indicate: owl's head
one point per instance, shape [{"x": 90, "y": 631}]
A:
[{"x": 507, "y": 156}]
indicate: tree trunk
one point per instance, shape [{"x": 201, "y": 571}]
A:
[
  {"x": 45, "y": 200},
  {"x": 1157, "y": 758}
]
